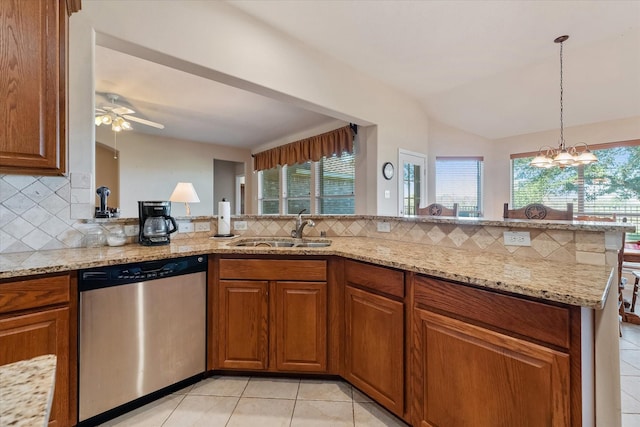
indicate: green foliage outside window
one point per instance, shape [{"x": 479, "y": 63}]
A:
[{"x": 612, "y": 185}]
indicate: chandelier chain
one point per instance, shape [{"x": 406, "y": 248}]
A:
[{"x": 562, "y": 146}]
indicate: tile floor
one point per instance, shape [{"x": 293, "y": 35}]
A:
[
  {"x": 250, "y": 401},
  {"x": 630, "y": 374},
  {"x": 265, "y": 402}
]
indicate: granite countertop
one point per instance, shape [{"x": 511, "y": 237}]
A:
[
  {"x": 26, "y": 391},
  {"x": 570, "y": 283}
]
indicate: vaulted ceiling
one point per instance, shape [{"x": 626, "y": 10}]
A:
[{"x": 487, "y": 67}]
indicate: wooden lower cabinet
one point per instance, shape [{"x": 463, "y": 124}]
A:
[
  {"x": 471, "y": 376},
  {"x": 37, "y": 331},
  {"x": 301, "y": 326},
  {"x": 243, "y": 324},
  {"x": 273, "y": 324},
  {"x": 486, "y": 359},
  {"x": 374, "y": 343}
]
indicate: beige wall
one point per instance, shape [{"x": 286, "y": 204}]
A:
[
  {"x": 151, "y": 166},
  {"x": 108, "y": 174},
  {"x": 447, "y": 141},
  {"x": 221, "y": 43}
]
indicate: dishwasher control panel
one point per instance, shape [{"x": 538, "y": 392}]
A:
[{"x": 101, "y": 277}]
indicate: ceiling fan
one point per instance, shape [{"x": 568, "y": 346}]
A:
[{"x": 118, "y": 116}]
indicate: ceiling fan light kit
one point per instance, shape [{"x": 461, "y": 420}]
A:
[
  {"x": 562, "y": 157},
  {"x": 119, "y": 117}
]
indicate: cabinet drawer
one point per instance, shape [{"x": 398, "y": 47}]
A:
[
  {"x": 532, "y": 319},
  {"x": 380, "y": 279},
  {"x": 271, "y": 269},
  {"x": 31, "y": 293}
]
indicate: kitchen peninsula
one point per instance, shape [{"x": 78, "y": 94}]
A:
[{"x": 461, "y": 293}]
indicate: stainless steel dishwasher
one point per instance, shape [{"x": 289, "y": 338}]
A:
[{"x": 142, "y": 328}]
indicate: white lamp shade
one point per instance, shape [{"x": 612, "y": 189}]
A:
[{"x": 184, "y": 192}]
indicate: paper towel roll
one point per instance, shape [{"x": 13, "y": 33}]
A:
[{"x": 224, "y": 217}]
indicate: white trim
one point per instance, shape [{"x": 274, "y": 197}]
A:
[{"x": 399, "y": 172}]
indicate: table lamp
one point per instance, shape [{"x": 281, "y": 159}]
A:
[{"x": 184, "y": 192}]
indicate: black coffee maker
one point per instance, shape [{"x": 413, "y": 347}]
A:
[{"x": 156, "y": 223}]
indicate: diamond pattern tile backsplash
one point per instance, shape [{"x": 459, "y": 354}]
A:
[
  {"x": 40, "y": 213},
  {"x": 36, "y": 212}
]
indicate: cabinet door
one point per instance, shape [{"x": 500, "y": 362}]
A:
[
  {"x": 374, "y": 347},
  {"x": 242, "y": 324},
  {"x": 470, "y": 376},
  {"x": 301, "y": 326},
  {"x": 30, "y": 335},
  {"x": 33, "y": 86}
]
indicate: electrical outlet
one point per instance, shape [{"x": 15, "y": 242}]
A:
[
  {"x": 387, "y": 194},
  {"x": 185, "y": 227},
  {"x": 517, "y": 238},
  {"x": 384, "y": 227},
  {"x": 203, "y": 226},
  {"x": 240, "y": 225}
]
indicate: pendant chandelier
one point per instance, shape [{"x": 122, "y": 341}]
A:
[{"x": 562, "y": 156}]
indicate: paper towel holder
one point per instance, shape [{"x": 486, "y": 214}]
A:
[
  {"x": 221, "y": 217},
  {"x": 184, "y": 192}
]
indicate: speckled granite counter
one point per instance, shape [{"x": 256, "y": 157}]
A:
[
  {"x": 569, "y": 283},
  {"x": 26, "y": 391}
]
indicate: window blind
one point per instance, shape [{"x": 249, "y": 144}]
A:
[{"x": 459, "y": 180}]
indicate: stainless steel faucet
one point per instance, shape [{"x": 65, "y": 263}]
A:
[{"x": 300, "y": 224}]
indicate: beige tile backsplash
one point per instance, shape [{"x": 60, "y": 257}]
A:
[{"x": 39, "y": 213}]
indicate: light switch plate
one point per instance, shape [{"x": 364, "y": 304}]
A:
[
  {"x": 185, "y": 227},
  {"x": 517, "y": 238}
]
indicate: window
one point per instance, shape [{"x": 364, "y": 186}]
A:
[
  {"x": 336, "y": 184},
  {"x": 298, "y": 188},
  {"x": 610, "y": 186},
  {"x": 459, "y": 180},
  {"x": 269, "y": 191},
  {"x": 331, "y": 181}
]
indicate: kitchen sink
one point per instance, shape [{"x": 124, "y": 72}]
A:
[{"x": 282, "y": 243}]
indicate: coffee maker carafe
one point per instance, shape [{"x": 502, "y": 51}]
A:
[{"x": 156, "y": 223}]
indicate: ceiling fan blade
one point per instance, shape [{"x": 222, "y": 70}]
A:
[
  {"x": 144, "y": 122},
  {"x": 119, "y": 110}
]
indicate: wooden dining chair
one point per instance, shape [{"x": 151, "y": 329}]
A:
[
  {"x": 538, "y": 211},
  {"x": 436, "y": 209}
]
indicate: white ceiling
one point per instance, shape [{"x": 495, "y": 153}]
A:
[
  {"x": 488, "y": 67},
  {"x": 195, "y": 108}
]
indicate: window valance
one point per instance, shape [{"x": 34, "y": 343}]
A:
[{"x": 336, "y": 142}]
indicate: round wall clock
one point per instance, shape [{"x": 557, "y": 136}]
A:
[{"x": 387, "y": 170}]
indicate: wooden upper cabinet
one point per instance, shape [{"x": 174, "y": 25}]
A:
[{"x": 33, "y": 85}]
